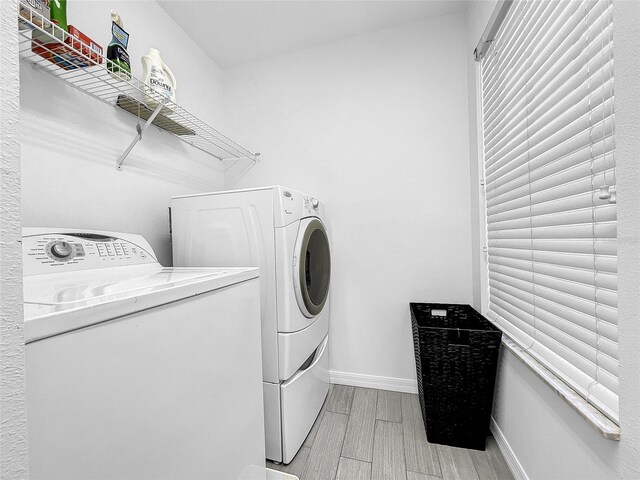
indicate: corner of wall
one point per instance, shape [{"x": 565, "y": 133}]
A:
[{"x": 474, "y": 173}]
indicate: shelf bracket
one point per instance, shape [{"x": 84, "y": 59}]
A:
[{"x": 138, "y": 137}]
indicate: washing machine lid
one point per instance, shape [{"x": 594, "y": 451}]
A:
[{"x": 61, "y": 302}]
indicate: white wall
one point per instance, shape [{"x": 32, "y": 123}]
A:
[
  {"x": 548, "y": 438},
  {"x": 13, "y": 417},
  {"x": 376, "y": 127},
  {"x": 70, "y": 142}
]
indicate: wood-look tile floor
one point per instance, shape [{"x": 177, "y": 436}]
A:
[{"x": 367, "y": 434}]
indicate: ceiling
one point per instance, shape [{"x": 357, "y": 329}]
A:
[{"x": 235, "y": 32}]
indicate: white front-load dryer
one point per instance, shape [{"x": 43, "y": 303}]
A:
[{"x": 283, "y": 232}]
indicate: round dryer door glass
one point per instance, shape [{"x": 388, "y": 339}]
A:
[{"x": 314, "y": 270}]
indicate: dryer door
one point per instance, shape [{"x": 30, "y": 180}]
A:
[{"x": 313, "y": 272}]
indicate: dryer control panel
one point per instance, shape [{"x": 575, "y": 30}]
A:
[
  {"x": 310, "y": 204},
  {"x": 49, "y": 250},
  {"x": 292, "y": 206}
]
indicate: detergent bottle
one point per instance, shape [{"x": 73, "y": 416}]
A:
[
  {"x": 159, "y": 82},
  {"x": 120, "y": 65},
  {"x": 58, "y": 14}
]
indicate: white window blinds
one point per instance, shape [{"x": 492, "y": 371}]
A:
[{"x": 548, "y": 133}]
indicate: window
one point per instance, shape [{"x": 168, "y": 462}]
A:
[{"x": 548, "y": 144}]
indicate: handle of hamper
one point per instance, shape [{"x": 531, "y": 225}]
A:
[{"x": 458, "y": 337}]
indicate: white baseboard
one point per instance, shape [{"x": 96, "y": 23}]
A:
[
  {"x": 510, "y": 457},
  {"x": 405, "y": 385}
]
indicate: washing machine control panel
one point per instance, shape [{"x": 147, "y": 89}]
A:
[
  {"x": 293, "y": 206},
  {"x": 81, "y": 250},
  {"x": 311, "y": 204}
]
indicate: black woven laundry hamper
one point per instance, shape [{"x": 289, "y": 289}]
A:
[{"x": 456, "y": 352}]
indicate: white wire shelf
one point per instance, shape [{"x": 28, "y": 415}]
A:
[{"x": 51, "y": 49}]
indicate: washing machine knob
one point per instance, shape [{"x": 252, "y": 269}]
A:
[
  {"x": 61, "y": 249},
  {"x": 315, "y": 203}
]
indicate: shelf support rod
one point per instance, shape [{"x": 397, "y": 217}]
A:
[{"x": 138, "y": 137}]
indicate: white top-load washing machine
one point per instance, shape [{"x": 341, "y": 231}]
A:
[
  {"x": 282, "y": 232},
  {"x": 135, "y": 371}
]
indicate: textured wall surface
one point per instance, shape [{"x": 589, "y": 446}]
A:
[
  {"x": 627, "y": 91},
  {"x": 13, "y": 418}
]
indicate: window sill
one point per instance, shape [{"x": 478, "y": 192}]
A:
[{"x": 594, "y": 417}]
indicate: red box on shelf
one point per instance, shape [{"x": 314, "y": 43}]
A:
[
  {"x": 58, "y": 52},
  {"x": 85, "y": 45}
]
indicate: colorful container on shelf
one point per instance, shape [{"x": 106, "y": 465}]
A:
[
  {"x": 68, "y": 58},
  {"x": 58, "y": 14},
  {"x": 119, "y": 64},
  {"x": 35, "y": 12}
]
